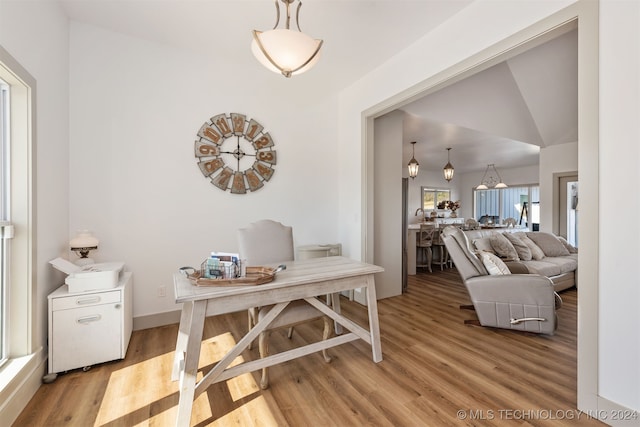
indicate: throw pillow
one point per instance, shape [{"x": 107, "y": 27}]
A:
[
  {"x": 536, "y": 252},
  {"x": 550, "y": 244},
  {"x": 524, "y": 253},
  {"x": 572, "y": 249},
  {"x": 483, "y": 244},
  {"x": 503, "y": 247},
  {"x": 493, "y": 264}
]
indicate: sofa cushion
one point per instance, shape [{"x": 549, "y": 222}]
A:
[
  {"x": 536, "y": 252},
  {"x": 493, "y": 264},
  {"x": 503, "y": 247},
  {"x": 524, "y": 253},
  {"x": 543, "y": 267},
  {"x": 549, "y": 243},
  {"x": 572, "y": 249},
  {"x": 565, "y": 263},
  {"x": 483, "y": 244}
]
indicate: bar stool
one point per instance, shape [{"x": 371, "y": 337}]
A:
[
  {"x": 423, "y": 246},
  {"x": 443, "y": 255}
]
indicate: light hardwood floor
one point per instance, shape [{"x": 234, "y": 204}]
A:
[{"x": 436, "y": 372}]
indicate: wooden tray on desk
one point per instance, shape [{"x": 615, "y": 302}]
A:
[{"x": 255, "y": 276}]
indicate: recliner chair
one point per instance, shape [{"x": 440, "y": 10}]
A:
[{"x": 524, "y": 302}]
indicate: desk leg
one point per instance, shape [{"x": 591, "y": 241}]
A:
[
  {"x": 192, "y": 355},
  {"x": 181, "y": 342},
  {"x": 374, "y": 326}
]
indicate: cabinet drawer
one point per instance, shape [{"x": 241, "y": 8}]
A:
[
  {"x": 86, "y": 336},
  {"x": 87, "y": 300}
]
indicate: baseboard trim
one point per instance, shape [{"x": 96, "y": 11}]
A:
[
  {"x": 155, "y": 320},
  {"x": 23, "y": 385},
  {"x": 614, "y": 414}
]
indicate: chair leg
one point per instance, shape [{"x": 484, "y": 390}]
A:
[
  {"x": 251, "y": 315},
  {"x": 263, "y": 344},
  {"x": 429, "y": 259},
  {"x": 326, "y": 333}
]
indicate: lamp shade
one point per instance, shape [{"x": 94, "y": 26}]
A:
[
  {"x": 84, "y": 240},
  {"x": 284, "y": 51}
]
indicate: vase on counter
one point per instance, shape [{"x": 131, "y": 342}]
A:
[{"x": 453, "y": 214}]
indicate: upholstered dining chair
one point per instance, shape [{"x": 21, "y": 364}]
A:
[
  {"x": 424, "y": 245},
  {"x": 509, "y": 222},
  {"x": 268, "y": 242},
  {"x": 472, "y": 224}
]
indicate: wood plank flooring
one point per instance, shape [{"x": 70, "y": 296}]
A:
[{"x": 436, "y": 372}]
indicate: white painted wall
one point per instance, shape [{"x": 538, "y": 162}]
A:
[
  {"x": 135, "y": 110},
  {"x": 388, "y": 204},
  {"x": 554, "y": 159}
]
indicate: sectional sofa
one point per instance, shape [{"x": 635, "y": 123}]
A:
[{"x": 531, "y": 252}]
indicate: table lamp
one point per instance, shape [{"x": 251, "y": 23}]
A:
[{"x": 82, "y": 244}]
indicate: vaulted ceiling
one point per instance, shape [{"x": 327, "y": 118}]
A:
[{"x": 501, "y": 115}]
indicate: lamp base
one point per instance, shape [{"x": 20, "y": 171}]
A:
[{"x": 84, "y": 261}]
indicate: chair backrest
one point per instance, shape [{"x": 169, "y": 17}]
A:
[
  {"x": 509, "y": 222},
  {"x": 265, "y": 242},
  {"x": 466, "y": 262},
  {"x": 425, "y": 236},
  {"x": 472, "y": 224}
]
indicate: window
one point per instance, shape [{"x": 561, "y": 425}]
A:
[
  {"x": 432, "y": 196},
  {"x": 519, "y": 202},
  {"x": 17, "y": 192},
  {"x": 4, "y": 218}
]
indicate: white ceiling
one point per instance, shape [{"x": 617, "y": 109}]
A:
[
  {"x": 358, "y": 35},
  {"x": 501, "y": 115}
]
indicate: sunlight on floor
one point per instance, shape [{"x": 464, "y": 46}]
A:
[
  {"x": 144, "y": 394},
  {"x": 253, "y": 413}
]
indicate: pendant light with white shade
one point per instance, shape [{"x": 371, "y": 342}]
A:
[{"x": 285, "y": 51}]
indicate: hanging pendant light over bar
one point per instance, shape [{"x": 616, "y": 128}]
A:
[
  {"x": 491, "y": 180},
  {"x": 283, "y": 50},
  {"x": 413, "y": 163},
  {"x": 448, "y": 168}
]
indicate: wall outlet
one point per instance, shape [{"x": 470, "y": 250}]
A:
[{"x": 162, "y": 291}]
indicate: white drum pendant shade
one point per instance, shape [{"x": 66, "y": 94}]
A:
[{"x": 285, "y": 51}]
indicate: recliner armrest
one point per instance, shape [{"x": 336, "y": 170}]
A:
[
  {"x": 521, "y": 288},
  {"x": 524, "y": 302},
  {"x": 516, "y": 267}
]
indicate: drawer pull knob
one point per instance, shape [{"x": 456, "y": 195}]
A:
[
  {"x": 88, "y": 319},
  {"x": 88, "y": 301}
]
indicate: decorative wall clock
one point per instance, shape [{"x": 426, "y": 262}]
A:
[{"x": 225, "y": 143}]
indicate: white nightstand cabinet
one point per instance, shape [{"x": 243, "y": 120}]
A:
[{"x": 87, "y": 328}]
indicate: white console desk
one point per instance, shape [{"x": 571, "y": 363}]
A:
[{"x": 412, "y": 239}]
